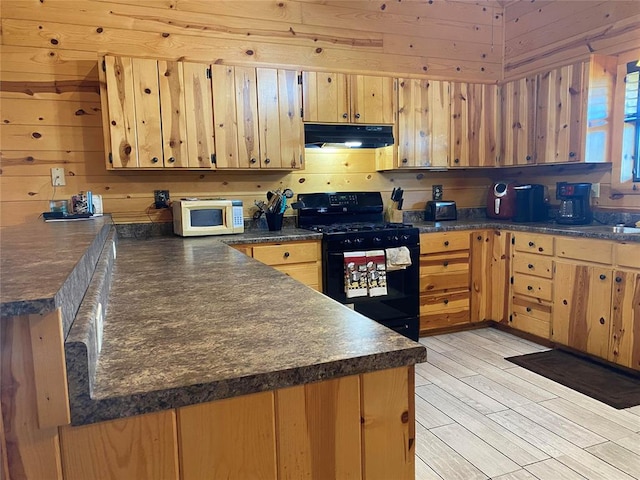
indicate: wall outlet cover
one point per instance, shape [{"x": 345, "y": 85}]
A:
[{"x": 161, "y": 198}]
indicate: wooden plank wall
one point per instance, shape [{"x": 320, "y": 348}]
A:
[
  {"x": 50, "y": 104},
  {"x": 542, "y": 34}
]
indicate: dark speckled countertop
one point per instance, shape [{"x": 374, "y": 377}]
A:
[
  {"x": 46, "y": 265},
  {"x": 193, "y": 320}
]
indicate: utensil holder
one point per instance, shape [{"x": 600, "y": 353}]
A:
[{"x": 274, "y": 221}]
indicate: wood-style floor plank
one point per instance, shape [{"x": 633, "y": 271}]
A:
[
  {"x": 500, "y": 438},
  {"x": 618, "y": 456},
  {"x": 429, "y": 416},
  {"x": 442, "y": 459},
  {"x": 588, "y": 419},
  {"x": 553, "y": 470},
  {"x": 479, "y": 416},
  {"x": 560, "y": 425}
]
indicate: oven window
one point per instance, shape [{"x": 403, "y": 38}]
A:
[{"x": 210, "y": 217}]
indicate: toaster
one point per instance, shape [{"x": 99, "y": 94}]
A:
[{"x": 437, "y": 210}]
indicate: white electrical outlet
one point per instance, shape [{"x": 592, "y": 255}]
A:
[
  {"x": 57, "y": 177},
  {"x": 595, "y": 190}
]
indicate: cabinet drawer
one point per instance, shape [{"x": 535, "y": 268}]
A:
[
  {"x": 532, "y": 243},
  {"x": 445, "y": 262},
  {"x": 522, "y": 306},
  {"x": 532, "y": 286},
  {"x": 444, "y": 310},
  {"x": 597, "y": 251},
  {"x": 444, "y": 281},
  {"x": 628, "y": 254},
  {"x": 444, "y": 242},
  {"x": 535, "y": 326},
  {"x": 283, "y": 254},
  {"x": 537, "y": 265},
  {"x": 307, "y": 273}
]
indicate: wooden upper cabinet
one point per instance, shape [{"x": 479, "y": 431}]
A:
[
  {"x": 475, "y": 125},
  {"x": 158, "y": 114},
  {"x": 574, "y": 112},
  {"x": 518, "y": 110},
  {"x": 342, "y": 98},
  {"x": 423, "y": 123},
  {"x": 257, "y": 114}
]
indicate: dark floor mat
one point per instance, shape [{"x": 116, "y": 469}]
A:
[{"x": 607, "y": 384}]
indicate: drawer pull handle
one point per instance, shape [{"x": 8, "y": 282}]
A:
[
  {"x": 530, "y": 266},
  {"x": 601, "y": 320},
  {"x": 446, "y": 243},
  {"x": 531, "y": 244},
  {"x": 286, "y": 254},
  {"x": 446, "y": 264},
  {"x": 618, "y": 279},
  {"x": 529, "y": 309},
  {"x": 529, "y": 287},
  {"x": 446, "y": 301},
  {"x": 603, "y": 276}
]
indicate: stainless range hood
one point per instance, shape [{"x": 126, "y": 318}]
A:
[{"x": 347, "y": 136}]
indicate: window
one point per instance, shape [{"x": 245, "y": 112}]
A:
[{"x": 631, "y": 129}]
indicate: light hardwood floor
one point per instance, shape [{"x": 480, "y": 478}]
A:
[{"x": 479, "y": 416}]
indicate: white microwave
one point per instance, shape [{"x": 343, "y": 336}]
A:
[{"x": 195, "y": 216}]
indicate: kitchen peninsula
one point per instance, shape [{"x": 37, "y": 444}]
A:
[{"x": 184, "y": 355}]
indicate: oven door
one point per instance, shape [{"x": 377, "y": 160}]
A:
[{"x": 399, "y": 309}]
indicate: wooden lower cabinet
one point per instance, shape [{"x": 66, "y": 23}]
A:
[
  {"x": 444, "y": 280},
  {"x": 624, "y": 344},
  {"x": 582, "y": 307},
  {"x": 300, "y": 260},
  {"x": 490, "y": 270}
]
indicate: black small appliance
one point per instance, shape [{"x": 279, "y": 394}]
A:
[
  {"x": 575, "y": 206},
  {"x": 530, "y": 204}
]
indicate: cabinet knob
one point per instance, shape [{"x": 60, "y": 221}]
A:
[
  {"x": 572, "y": 154},
  {"x": 457, "y": 160},
  {"x": 154, "y": 160},
  {"x": 601, "y": 320},
  {"x": 529, "y": 287},
  {"x": 445, "y": 301},
  {"x": 344, "y": 115},
  {"x": 446, "y": 264},
  {"x": 287, "y": 254},
  {"x": 618, "y": 279},
  {"x": 530, "y": 266},
  {"x": 172, "y": 159},
  {"x": 529, "y": 309},
  {"x": 531, "y": 244},
  {"x": 267, "y": 160},
  {"x": 528, "y": 158},
  {"x": 405, "y": 160},
  {"x": 253, "y": 160},
  {"x": 357, "y": 115},
  {"x": 603, "y": 276},
  {"x": 446, "y": 243},
  {"x": 479, "y": 238}
]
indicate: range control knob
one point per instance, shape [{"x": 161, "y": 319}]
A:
[
  {"x": 405, "y": 238},
  {"x": 377, "y": 241},
  {"x": 358, "y": 241},
  {"x": 347, "y": 242}
]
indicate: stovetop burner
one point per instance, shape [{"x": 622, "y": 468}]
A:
[{"x": 357, "y": 227}]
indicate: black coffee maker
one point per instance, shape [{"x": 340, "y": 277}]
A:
[
  {"x": 530, "y": 203},
  {"x": 575, "y": 205}
]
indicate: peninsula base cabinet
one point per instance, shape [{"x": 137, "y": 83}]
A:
[{"x": 358, "y": 426}]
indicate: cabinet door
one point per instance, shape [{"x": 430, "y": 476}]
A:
[
  {"x": 518, "y": 120},
  {"x": 247, "y": 116},
  {"x": 147, "y": 106},
  {"x": 199, "y": 116},
  {"x": 118, "y": 74},
  {"x": 624, "y": 344},
  {"x": 372, "y": 99},
  {"x": 173, "y": 114},
  {"x": 224, "y": 112},
  {"x": 559, "y": 114},
  {"x": 475, "y": 125},
  {"x": 325, "y": 97},
  {"x": 490, "y": 261},
  {"x": 280, "y": 124},
  {"x": 582, "y": 307},
  {"x": 423, "y": 125}
]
